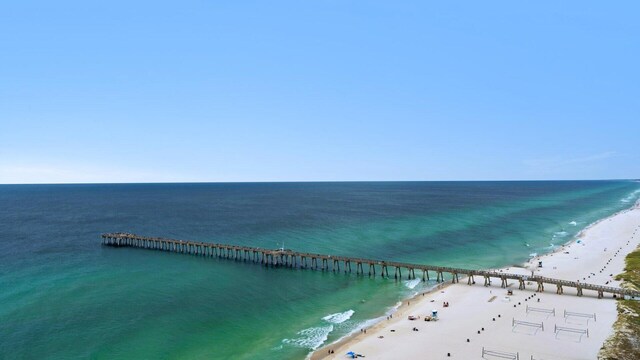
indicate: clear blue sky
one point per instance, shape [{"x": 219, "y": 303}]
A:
[{"x": 118, "y": 91}]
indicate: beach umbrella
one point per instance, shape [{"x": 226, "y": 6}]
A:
[{"x": 351, "y": 353}]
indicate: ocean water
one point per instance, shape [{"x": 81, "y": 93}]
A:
[{"x": 64, "y": 296}]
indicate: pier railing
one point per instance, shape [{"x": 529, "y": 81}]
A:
[{"x": 307, "y": 260}]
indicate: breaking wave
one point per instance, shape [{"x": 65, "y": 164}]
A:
[
  {"x": 313, "y": 337},
  {"x": 339, "y": 318},
  {"x": 629, "y": 198},
  {"x": 560, "y": 234},
  {"x": 412, "y": 283},
  {"x": 310, "y": 338}
]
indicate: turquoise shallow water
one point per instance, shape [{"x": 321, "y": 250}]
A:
[{"x": 63, "y": 296}]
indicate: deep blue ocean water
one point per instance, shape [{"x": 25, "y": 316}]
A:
[{"x": 64, "y": 296}]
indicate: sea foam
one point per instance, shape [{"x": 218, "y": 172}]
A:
[
  {"x": 313, "y": 337},
  {"x": 339, "y": 318},
  {"x": 630, "y": 197},
  {"x": 412, "y": 283},
  {"x": 310, "y": 338}
]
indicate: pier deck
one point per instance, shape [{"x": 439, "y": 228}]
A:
[{"x": 305, "y": 260}]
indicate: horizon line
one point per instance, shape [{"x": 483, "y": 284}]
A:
[{"x": 310, "y": 181}]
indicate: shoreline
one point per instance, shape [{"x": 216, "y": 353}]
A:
[
  {"x": 319, "y": 354},
  {"x": 405, "y": 306}
]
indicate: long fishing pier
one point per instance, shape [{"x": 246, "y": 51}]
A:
[{"x": 304, "y": 260}]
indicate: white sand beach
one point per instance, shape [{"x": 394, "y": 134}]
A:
[{"x": 482, "y": 317}]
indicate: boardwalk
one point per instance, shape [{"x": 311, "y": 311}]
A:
[{"x": 304, "y": 260}]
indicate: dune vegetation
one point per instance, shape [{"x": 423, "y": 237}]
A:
[{"x": 625, "y": 342}]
